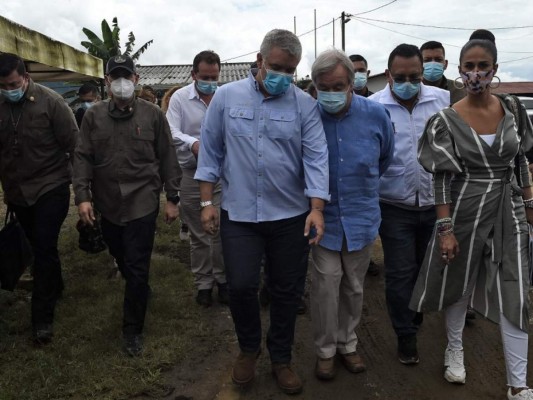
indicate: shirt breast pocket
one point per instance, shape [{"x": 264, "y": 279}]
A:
[
  {"x": 241, "y": 122},
  {"x": 102, "y": 144},
  {"x": 143, "y": 143},
  {"x": 282, "y": 124}
]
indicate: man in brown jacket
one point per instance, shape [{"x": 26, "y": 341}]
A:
[
  {"x": 124, "y": 157},
  {"x": 37, "y": 134}
]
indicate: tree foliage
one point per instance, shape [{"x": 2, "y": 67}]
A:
[{"x": 109, "y": 44}]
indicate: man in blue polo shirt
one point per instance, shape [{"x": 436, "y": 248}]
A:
[{"x": 263, "y": 137}]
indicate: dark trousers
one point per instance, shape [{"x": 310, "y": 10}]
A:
[
  {"x": 41, "y": 223},
  {"x": 405, "y": 235},
  {"x": 131, "y": 245},
  {"x": 244, "y": 245}
]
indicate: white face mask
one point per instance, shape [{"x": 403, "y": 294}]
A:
[{"x": 122, "y": 88}]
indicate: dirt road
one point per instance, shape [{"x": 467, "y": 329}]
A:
[{"x": 205, "y": 375}]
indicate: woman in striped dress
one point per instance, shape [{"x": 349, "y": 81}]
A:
[{"x": 479, "y": 251}]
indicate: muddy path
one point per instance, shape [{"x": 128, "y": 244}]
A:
[{"x": 205, "y": 374}]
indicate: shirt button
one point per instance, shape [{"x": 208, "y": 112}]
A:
[
  {"x": 340, "y": 179},
  {"x": 240, "y": 114},
  {"x": 259, "y": 195},
  {"x": 260, "y": 136},
  {"x": 259, "y": 154},
  {"x": 342, "y": 160},
  {"x": 340, "y": 140}
]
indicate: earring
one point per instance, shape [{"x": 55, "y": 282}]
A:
[
  {"x": 457, "y": 86},
  {"x": 498, "y": 84}
]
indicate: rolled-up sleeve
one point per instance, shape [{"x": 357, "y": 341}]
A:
[{"x": 315, "y": 155}]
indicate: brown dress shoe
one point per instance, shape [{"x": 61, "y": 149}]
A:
[
  {"x": 244, "y": 368},
  {"x": 325, "y": 368},
  {"x": 287, "y": 379},
  {"x": 353, "y": 362}
]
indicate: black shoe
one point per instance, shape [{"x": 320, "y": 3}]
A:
[
  {"x": 470, "y": 313},
  {"x": 42, "y": 334},
  {"x": 223, "y": 297},
  {"x": 204, "y": 298},
  {"x": 133, "y": 345},
  {"x": 373, "y": 269},
  {"x": 407, "y": 351},
  {"x": 264, "y": 296},
  {"x": 302, "y": 307}
]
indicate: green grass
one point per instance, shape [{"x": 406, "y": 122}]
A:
[{"x": 85, "y": 360}]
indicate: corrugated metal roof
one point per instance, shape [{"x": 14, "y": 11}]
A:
[
  {"x": 165, "y": 76},
  {"x": 514, "y": 88}
]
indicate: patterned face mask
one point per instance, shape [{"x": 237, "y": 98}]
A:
[{"x": 477, "y": 82}]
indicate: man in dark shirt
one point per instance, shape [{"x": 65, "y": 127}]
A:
[
  {"x": 360, "y": 67},
  {"x": 123, "y": 158},
  {"x": 88, "y": 95},
  {"x": 37, "y": 134},
  {"x": 434, "y": 58}
]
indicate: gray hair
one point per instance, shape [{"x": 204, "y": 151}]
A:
[
  {"x": 285, "y": 40},
  {"x": 328, "y": 60}
]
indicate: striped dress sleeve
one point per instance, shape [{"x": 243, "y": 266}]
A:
[{"x": 436, "y": 153}]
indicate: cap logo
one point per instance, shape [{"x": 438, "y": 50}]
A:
[{"x": 120, "y": 59}]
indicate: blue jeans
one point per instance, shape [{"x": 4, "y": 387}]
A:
[
  {"x": 405, "y": 235},
  {"x": 243, "y": 245}
]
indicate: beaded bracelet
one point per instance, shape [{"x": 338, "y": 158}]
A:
[
  {"x": 444, "y": 226},
  {"x": 528, "y": 203}
]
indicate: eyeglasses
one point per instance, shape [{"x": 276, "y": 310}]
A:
[{"x": 414, "y": 79}]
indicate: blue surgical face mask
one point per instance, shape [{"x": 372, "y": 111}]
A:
[
  {"x": 87, "y": 104},
  {"x": 13, "y": 95},
  {"x": 276, "y": 83},
  {"x": 433, "y": 71},
  {"x": 360, "y": 80},
  {"x": 332, "y": 102},
  {"x": 206, "y": 87},
  {"x": 406, "y": 90}
]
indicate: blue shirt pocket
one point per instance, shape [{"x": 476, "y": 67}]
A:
[
  {"x": 241, "y": 121},
  {"x": 282, "y": 124}
]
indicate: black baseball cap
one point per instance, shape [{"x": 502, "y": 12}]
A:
[{"x": 120, "y": 61}]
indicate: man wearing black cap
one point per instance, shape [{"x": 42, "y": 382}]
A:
[
  {"x": 124, "y": 158},
  {"x": 37, "y": 134}
]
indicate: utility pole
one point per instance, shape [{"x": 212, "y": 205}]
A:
[{"x": 345, "y": 18}]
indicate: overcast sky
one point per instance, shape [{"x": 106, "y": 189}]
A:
[{"x": 234, "y": 28}]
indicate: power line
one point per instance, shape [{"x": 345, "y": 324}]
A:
[
  {"x": 377, "y": 8},
  {"x": 442, "y": 27},
  {"x": 312, "y": 30},
  {"x": 445, "y": 44}
]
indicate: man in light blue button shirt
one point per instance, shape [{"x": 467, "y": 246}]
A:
[{"x": 263, "y": 138}]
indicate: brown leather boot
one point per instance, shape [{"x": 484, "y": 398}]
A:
[
  {"x": 325, "y": 368},
  {"x": 287, "y": 379},
  {"x": 244, "y": 368},
  {"x": 353, "y": 362}
]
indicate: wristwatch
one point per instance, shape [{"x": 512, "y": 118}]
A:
[
  {"x": 173, "y": 199},
  {"x": 206, "y": 203}
]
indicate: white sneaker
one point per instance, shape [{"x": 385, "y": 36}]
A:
[
  {"x": 455, "y": 367},
  {"x": 526, "y": 394}
]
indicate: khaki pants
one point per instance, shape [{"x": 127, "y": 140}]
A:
[
  {"x": 337, "y": 298},
  {"x": 207, "y": 263}
]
